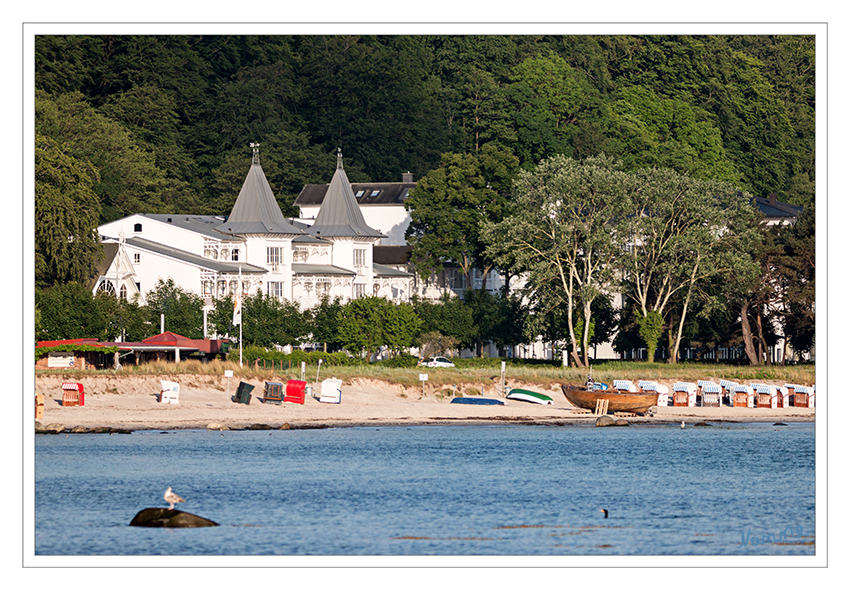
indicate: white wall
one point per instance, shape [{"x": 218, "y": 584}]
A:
[{"x": 152, "y": 267}]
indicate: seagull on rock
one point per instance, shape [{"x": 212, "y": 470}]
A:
[{"x": 172, "y": 498}]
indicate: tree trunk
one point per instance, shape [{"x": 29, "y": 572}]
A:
[
  {"x": 586, "y": 334},
  {"x": 764, "y": 350},
  {"x": 748, "y": 333}
]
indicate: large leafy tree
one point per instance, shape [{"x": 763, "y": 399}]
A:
[
  {"x": 325, "y": 322},
  {"x": 69, "y": 310},
  {"x": 266, "y": 321},
  {"x": 182, "y": 310},
  {"x": 66, "y": 211},
  {"x": 367, "y": 323},
  {"x": 564, "y": 235},
  {"x": 654, "y": 131},
  {"x": 269, "y": 321},
  {"x": 679, "y": 233},
  {"x": 796, "y": 270},
  {"x": 129, "y": 181},
  {"x": 451, "y": 204},
  {"x": 497, "y": 318},
  {"x": 448, "y": 316}
]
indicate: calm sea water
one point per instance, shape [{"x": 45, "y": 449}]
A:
[{"x": 456, "y": 490}]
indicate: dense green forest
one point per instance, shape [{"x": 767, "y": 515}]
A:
[
  {"x": 146, "y": 124},
  {"x": 166, "y": 120}
]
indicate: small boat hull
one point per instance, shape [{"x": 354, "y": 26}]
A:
[
  {"x": 533, "y": 397},
  {"x": 477, "y": 401},
  {"x": 618, "y": 401}
]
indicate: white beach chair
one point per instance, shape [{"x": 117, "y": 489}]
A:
[
  {"x": 711, "y": 393},
  {"x": 170, "y": 392},
  {"x": 331, "y": 391},
  {"x": 623, "y": 385},
  {"x": 663, "y": 395},
  {"x": 783, "y": 395}
]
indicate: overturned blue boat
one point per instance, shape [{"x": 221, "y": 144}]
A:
[{"x": 478, "y": 401}]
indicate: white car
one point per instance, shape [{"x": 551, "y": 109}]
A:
[{"x": 436, "y": 361}]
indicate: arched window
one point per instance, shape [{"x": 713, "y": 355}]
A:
[
  {"x": 123, "y": 291},
  {"x": 106, "y": 287},
  {"x": 137, "y": 228}
]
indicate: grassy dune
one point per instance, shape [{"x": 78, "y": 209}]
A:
[{"x": 474, "y": 376}]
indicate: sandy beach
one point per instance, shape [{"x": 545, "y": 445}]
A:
[{"x": 131, "y": 403}]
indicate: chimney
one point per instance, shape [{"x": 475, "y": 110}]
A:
[
  {"x": 772, "y": 198},
  {"x": 407, "y": 177}
]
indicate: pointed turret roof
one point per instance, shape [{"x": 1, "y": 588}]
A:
[
  {"x": 256, "y": 211},
  {"x": 340, "y": 215}
]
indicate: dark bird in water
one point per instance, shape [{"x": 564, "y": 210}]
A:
[
  {"x": 172, "y": 498},
  {"x": 604, "y": 511}
]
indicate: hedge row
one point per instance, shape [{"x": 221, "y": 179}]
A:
[
  {"x": 295, "y": 358},
  {"x": 42, "y": 351}
]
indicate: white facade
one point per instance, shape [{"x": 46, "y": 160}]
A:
[{"x": 254, "y": 248}]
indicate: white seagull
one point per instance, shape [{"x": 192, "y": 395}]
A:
[
  {"x": 683, "y": 425},
  {"x": 172, "y": 498}
]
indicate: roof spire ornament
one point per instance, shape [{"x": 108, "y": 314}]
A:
[
  {"x": 339, "y": 158},
  {"x": 256, "y": 149}
]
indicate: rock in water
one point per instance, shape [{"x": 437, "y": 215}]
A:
[
  {"x": 605, "y": 421},
  {"x": 168, "y": 518}
]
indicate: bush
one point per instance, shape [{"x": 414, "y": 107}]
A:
[
  {"x": 331, "y": 359},
  {"x": 401, "y": 361}
]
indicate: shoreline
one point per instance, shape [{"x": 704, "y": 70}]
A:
[{"x": 130, "y": 404}]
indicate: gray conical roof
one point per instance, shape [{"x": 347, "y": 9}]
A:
[
  {"x": 340, "y": 215},
  {"x": 256, "y": 211}
]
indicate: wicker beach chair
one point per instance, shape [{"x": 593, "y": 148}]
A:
[
  {"x": 170, "y": 393},
  {"x": 711, "y": 393},
  {"x": 624, "y": 385},
  {"x": 684, "y": 394},
  {"x": 73, "y": 395}
]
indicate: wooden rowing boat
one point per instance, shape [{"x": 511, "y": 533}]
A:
[
  {"x": 533, "y": 397},
  {"x": 618, "y": 401}
]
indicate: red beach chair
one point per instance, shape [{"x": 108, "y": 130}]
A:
[{"x": 73, "y": 394}]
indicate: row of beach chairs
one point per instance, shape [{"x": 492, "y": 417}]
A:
[
  {"x": 725, "y": 393},
  {"x": 295, "y": 391}
]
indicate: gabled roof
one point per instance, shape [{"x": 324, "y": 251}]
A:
[
  {"x": 205, "y": 225},
  {"x": 194, "y": 259},
  {"x": 770, "y": 207},
  {"x": 165, "y": 337},
  {"x": 340, "y": 215},
  {"x": 256, "y": 211},
  {"x": 388, "y": 193}
]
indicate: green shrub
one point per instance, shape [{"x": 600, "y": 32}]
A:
[
  {"x": 401, "y": 361},
  {"x": 257, "y": 353}
]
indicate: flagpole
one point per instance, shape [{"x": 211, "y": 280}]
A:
[{"x": 239, "y": 290}]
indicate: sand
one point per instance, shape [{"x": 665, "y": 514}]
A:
[{"x": 205, "y": 401}]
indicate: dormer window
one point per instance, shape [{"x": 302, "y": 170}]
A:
[{"x": 137, "y": 228}]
